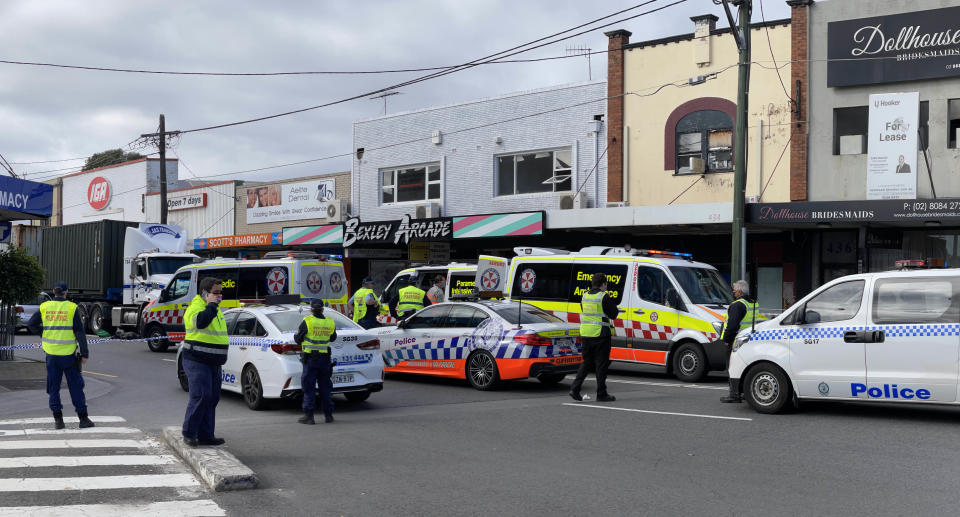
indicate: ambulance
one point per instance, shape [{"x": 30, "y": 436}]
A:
[
  {"x": 459, "y": 284},
  {"x": 875, "y": 337},
  {"x": 671, "y": 307},
  {"x": 307, "y": 274}
]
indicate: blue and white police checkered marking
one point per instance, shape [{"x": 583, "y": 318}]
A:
[
  {"x": 461, "y": 347},
  {"x": 929, "y": 330}
]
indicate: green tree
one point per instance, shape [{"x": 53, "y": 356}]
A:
[
  {"x": 109, "y": 157},
  {"x": 21, "y": 278}
]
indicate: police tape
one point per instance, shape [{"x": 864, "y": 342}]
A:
[{"x": 255, "y": 342}]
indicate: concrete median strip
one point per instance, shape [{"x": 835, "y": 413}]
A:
[{"x": 219, "y": 469}]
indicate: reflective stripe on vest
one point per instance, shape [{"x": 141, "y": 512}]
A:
[
  {"x": 411, "y": 299},
  {"x": 214, "y": 334},
  {"x": 360, "y": 303},
  {"x": 592, "y": 319},
  {"x": 58, "y": 337},
  {"x": 318, "y": 335},
  {"x": 204, "y": 349},
  {"x": 748, "y": 318}
]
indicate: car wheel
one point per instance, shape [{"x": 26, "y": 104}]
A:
[
  {"x": 252, "y": 388},
  {"x": 482, "y": 371},
  {"x": 768, "y": 389},
  {"x": 155, "y": 333},
  {"x": 182, "y": 376},
  {"x": 689, "y": 362},
  {"x": 552, "y": 378},
  {"x": 357, "y": 396}
]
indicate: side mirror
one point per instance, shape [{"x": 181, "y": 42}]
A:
[{"x": 811, "y": 316}]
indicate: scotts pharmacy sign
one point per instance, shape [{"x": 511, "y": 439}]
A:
[
  {"x": 899, "y": 47},
  {"x": 98, "y": 193}
]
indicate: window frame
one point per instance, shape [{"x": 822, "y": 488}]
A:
[
  {"x": 863, "y": 291},
  {"x": 557, "y": 172},
  {"x": 705, "y": 122},
  {"x": 442, "y": 318},
  {"x": 171, "y": 285},
  {"x": 427, "y": 183},
  {"x": 245, "y": 315},
  {"x": 948, "y": 316},
  {"x": 953, "y": 123}
]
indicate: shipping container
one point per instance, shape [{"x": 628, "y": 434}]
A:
[
  {"x": 27, "y": 237},
  {"x": 87, "y": 256}
]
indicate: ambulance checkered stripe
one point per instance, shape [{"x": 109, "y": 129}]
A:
[
  {"x": 635, "y": 329},
  {"x": 460, "y": 348},
  {"x": 940, "y": 329},
  {"x": 167, "y": 317}
]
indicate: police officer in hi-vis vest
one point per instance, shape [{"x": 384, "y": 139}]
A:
[
  {"x": 203, "y": 353},
  {"x": 597, "y": 309},
  {"x": 314, "y": 336},
  {"x": 741, "y": 314},
  {"x": 62, "y": 333},
  {"x": 365, "y": 305},
  {"x": 409, "y": 299}
]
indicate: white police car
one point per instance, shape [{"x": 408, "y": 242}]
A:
[
  {"x": 263, "y": 361},
  {"x": 881, "y": 337}
]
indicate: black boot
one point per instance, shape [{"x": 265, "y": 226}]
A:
[
  {"x": 734, "y": 395},
  {"x": 328, "y": 419},
  {"x": 84, "y": 421},
  {"x": 307, "y": 418},
  {"x": 58, "y": 420}
]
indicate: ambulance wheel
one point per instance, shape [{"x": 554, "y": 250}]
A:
[
  {"x": 155, "y": 333},
  {"x": 182, "y": 376},
  {"x": 767, "y": 389},
  {"x": 551, "y": 379},
  {"x": 252, "y": 388},
  {"x": 482, "y": 371},
  {"x": 689, "y": 362},
  {"x": 357, "y": 396}
]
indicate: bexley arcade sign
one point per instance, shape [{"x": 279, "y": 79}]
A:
[{"x": 899, "y": 47}]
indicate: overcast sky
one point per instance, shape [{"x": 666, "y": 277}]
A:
[{"x": 50, "y": 114}]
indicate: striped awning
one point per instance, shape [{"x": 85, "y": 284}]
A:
[
  {"x": 325, "y": 234},
  {"x": 498, "y": 225}
]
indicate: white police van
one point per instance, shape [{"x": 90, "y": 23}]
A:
[{"x": 880, "y": 337}]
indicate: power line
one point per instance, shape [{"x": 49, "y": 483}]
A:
[
  {"x": 458, "y": 68},
  {"x": 51, "y": 161},
  {"x": 770, "y": 46}
]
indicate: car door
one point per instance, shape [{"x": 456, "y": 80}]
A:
[
  {"x": 458, "y": 327},
  {"x": 652, "y": 321},
  {"x": 826, "y": 356},
  {"x": 230, "y": 367},
  {"x": 242, "y": 337},
  {"x": 409, "y": 346},
  {"x": 913, "y": 344}
]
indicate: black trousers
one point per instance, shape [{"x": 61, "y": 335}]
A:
[{"x": 596, "y": 357}]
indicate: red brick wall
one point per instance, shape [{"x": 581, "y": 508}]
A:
[
  {"x": 617, "y": 40},
  {"x": 799, "y": 11}
]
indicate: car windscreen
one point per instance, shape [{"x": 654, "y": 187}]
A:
[
  {"x": 514, "y": 312},
  {"x": 289, "y": 321},
  {"x": 702, "y": 285},
  {"x": 168, "y": 265}
]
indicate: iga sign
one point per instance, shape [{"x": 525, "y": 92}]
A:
[
  {"x": 98, "y": 193},
  {"x": 185, "y": 202},
  {"x": 289, "y": 201},
  {"x": 899, "y": 47},
  {"x": 892, "y": 156}
]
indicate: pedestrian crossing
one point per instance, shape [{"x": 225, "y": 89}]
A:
[{"x": 111, "y": 469}]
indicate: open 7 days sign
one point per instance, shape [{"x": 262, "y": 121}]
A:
[{"x": 185, "y": 202}]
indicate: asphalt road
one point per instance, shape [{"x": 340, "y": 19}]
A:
[{"x": 438, "y": 447}]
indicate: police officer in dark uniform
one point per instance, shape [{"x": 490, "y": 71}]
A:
[
  {"x": 597, "y": 311},
  {"x": 62, "y": 334},
  {"x": 741, "y": 314},
  {"x": 203, "y": 353},
  {"x": 314, "y": 336}
]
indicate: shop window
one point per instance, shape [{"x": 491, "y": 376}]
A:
[
  {"x": 923, "y": 142},
  {"x": 704, "y": 135},
  {"x": 531, "y": 173},
  {"x": 953, "y": 122},
  {"x": 850, "y": 130},
  {"x": 410, "y": 184}
]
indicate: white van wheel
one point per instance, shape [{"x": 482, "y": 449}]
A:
[{"x": 767, "y": 389}]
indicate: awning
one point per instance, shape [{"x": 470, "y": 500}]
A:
[{"x": 22, "y": 199}]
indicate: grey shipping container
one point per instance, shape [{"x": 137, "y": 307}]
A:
[
  {"x": 88, "y": 257},
  {"x": 27, "y": 237}
]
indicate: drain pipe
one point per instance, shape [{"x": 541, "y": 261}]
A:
[{"x": 596, "y": 163}]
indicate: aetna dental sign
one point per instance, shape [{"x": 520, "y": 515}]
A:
[{"x": 899, "y": 47}]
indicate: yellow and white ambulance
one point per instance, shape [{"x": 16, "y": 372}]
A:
[
  {"x": 671, "y": 307},
  {"x": 309, "y": 275},
  {"x": 459, "y": 284}
]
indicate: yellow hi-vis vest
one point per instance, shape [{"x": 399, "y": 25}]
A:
[
  {"x": 592, "y": 319},
  {"x": 411, "y": 299},
  {"x": 360, "y": 303},
  {"x": 58, "y": 337},
  {"x": 318, "y": 335},
  {"x": 215, "y": 333},
  {"x": 748, "y": 319}
]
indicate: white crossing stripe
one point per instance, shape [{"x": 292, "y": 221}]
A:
[
  {"x": 658, "y": 412},
  {"x": 85, "y": 461},
  {"x": 75, "y": 444},
  {"x": 96, "y": 482},
  {"x": 68, "y": 419},
  {"x": 89, "y": 430},
  {"x": 195, "y": 508}
]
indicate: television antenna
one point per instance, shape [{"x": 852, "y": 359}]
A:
[
  {"x": 384, "y": 97},
  {"x": 582, "y": 51}
]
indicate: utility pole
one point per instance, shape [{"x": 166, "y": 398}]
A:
[
  {"x": 161, "y": 138},
  {"x": 741, "y": 33}
]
